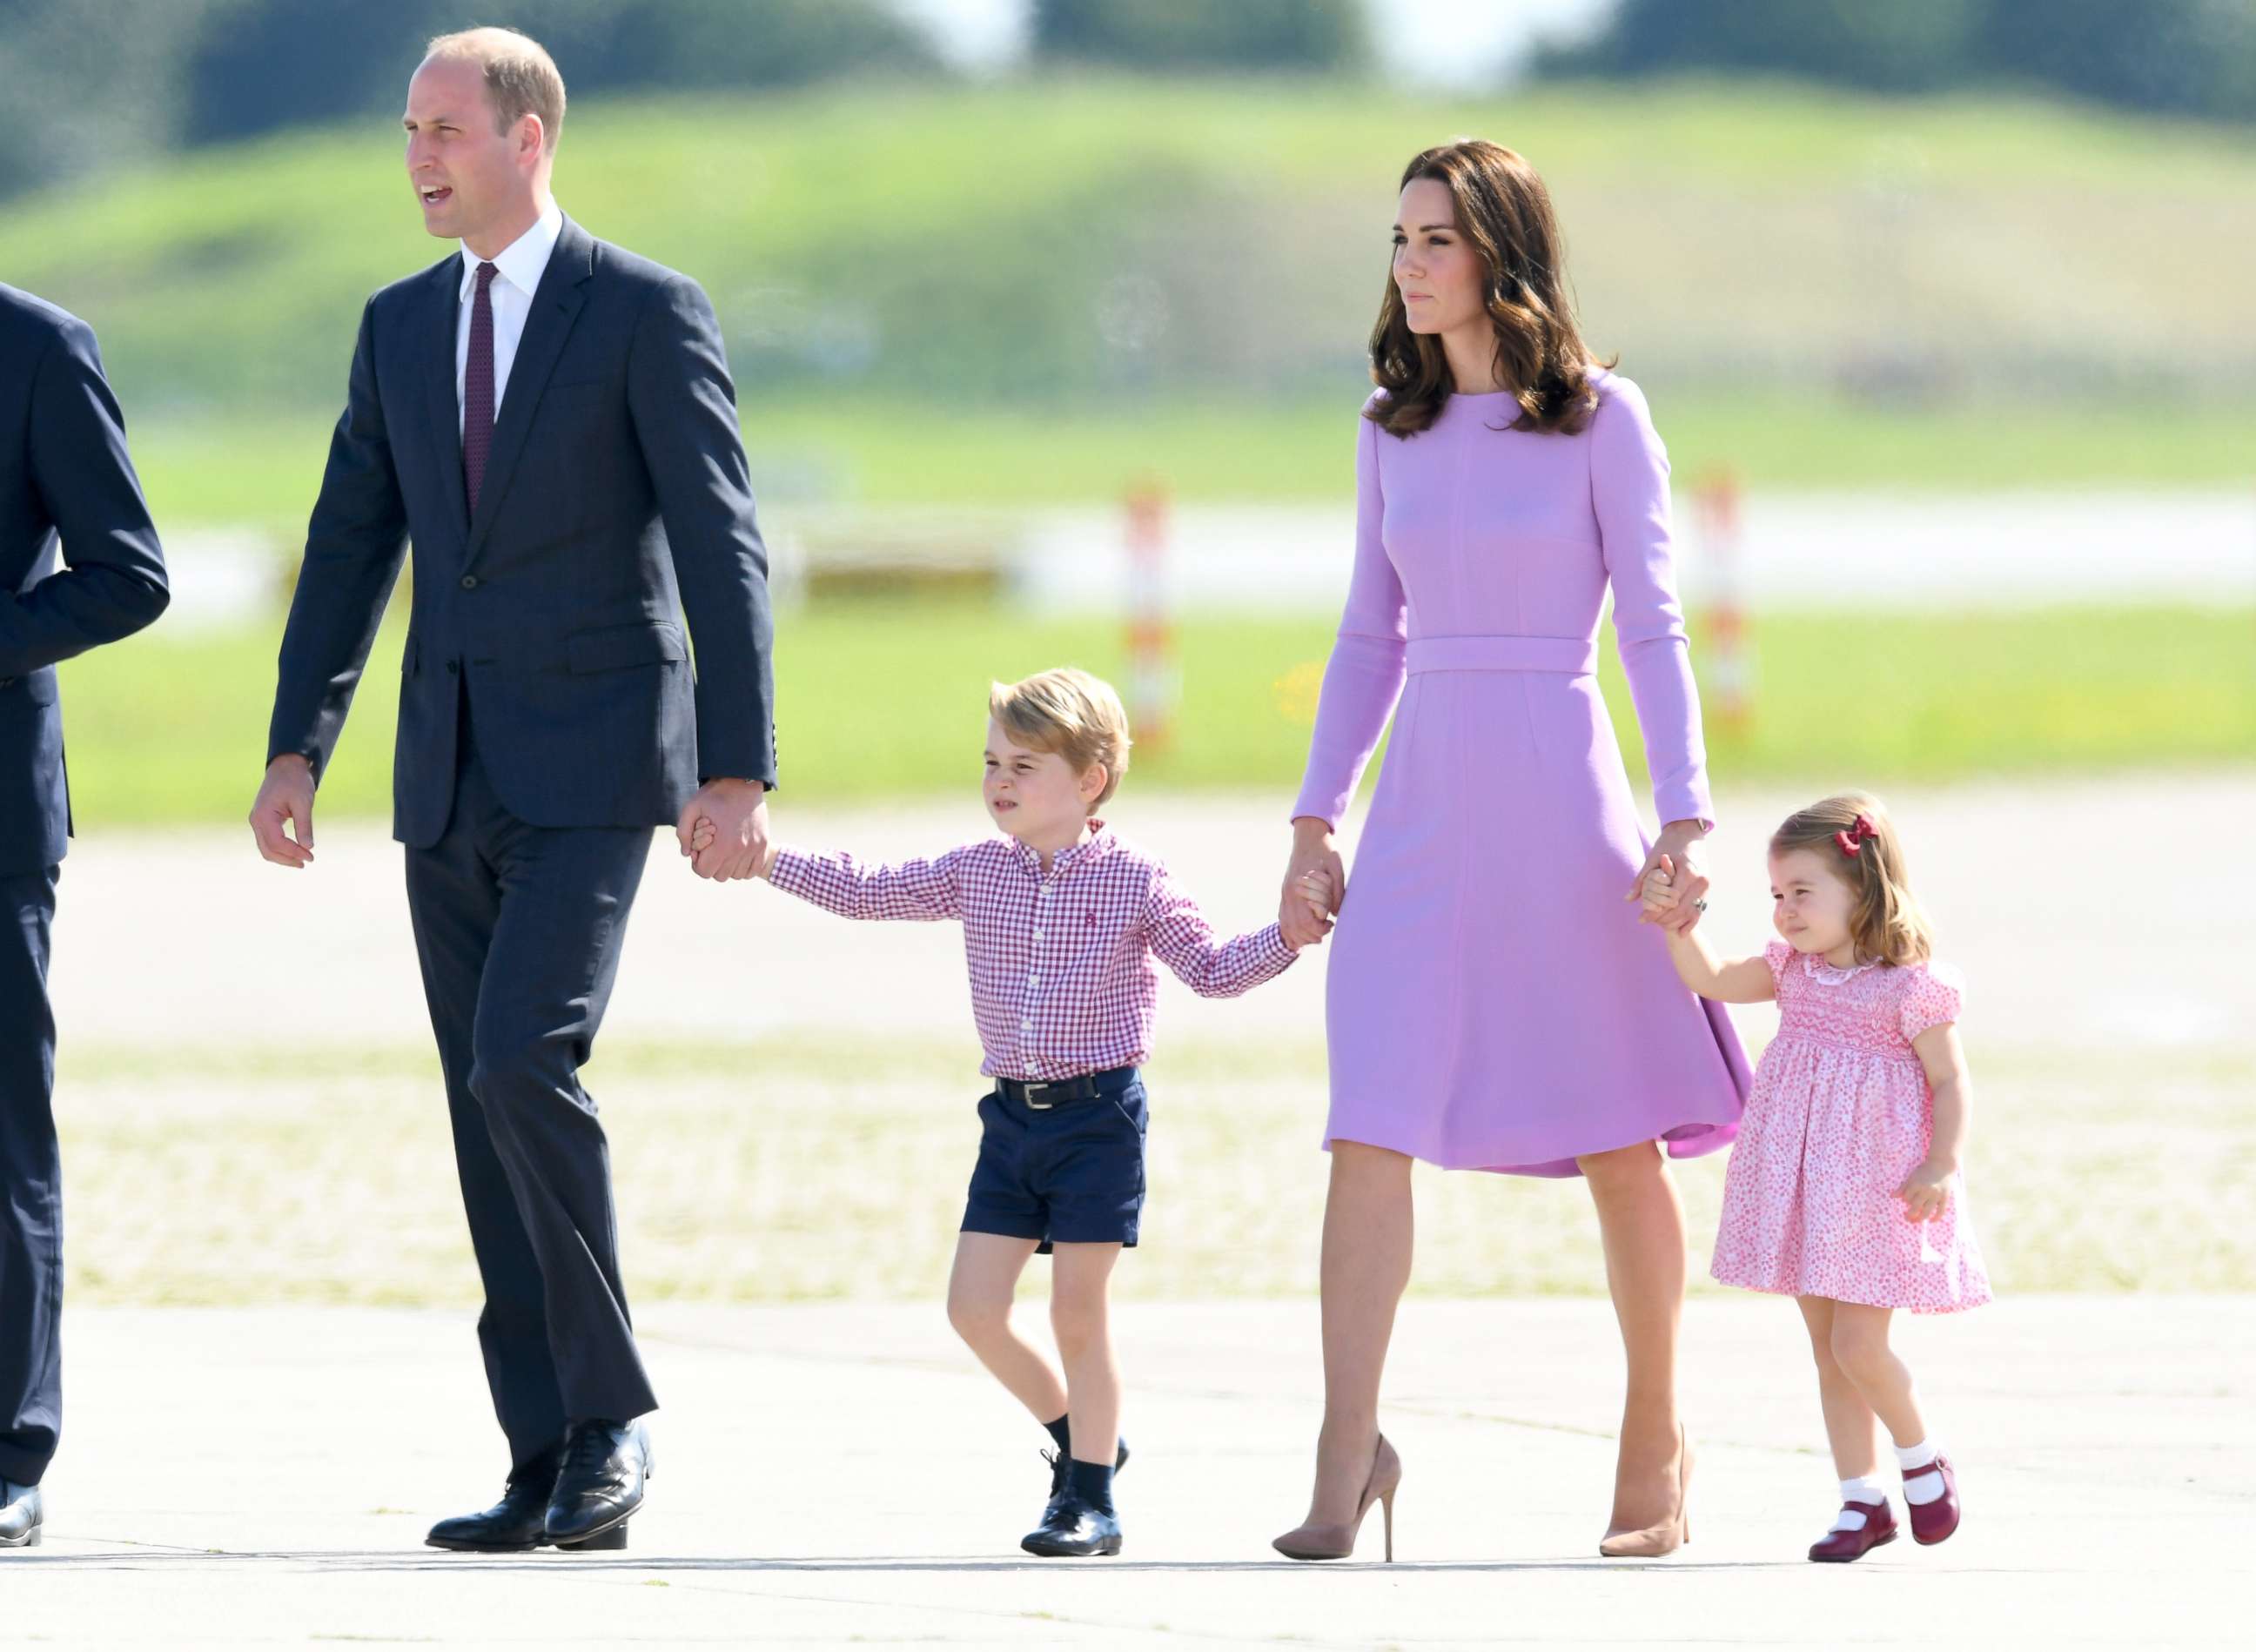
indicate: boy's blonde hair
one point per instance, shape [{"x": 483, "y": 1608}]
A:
[
  {"x": 1887, "y": 923},
  {"x": 1078, "y": 716}
]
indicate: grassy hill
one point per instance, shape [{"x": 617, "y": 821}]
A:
[
  {"x": 1028, "y": 291},
  {"x": 170, "y": 728}
]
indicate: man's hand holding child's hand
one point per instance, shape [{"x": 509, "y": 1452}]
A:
[{"x": 703, "y": 833}]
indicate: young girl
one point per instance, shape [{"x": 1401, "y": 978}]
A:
[{"x": 1845, "y": 1187}]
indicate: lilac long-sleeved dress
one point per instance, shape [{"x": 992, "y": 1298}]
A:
[{"x": 1492, "y": 1001}]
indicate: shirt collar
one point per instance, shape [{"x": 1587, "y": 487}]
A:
[
  {"x": 521, "y": 261},
  {"x": 1095, "y": 840}
]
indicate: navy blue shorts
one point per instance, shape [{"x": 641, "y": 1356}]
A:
[{"x": 1070, "y": 1174}]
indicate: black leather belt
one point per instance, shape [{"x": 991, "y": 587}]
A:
[{"x": 1088, "y": 1087}]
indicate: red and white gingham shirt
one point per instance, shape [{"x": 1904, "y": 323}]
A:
[{"x": 1062, "y": 982}]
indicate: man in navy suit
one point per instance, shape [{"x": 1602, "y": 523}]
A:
[
  {"x": 550, "y": 420},
  {"x": 65, "y": 478}
]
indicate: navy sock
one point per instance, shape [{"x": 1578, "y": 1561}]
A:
[
  {"x": 1092, "y": 1483},
  {"x": 1061, "y": 1431}
]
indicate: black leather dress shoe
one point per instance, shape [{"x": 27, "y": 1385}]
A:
[
  {"x": 519, "y": 1524},
  {"x": 601, "y": 1483},
  {"x": 1070, "y": 1527},
  {"x": 23, "y": 1516}
]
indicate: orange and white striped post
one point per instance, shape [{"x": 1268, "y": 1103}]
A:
[
  {"x": 1731, "y": 653},
  {"x": 1155, "y": 676}
]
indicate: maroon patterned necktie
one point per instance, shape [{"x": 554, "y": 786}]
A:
[{"x": 478, "y": 389}]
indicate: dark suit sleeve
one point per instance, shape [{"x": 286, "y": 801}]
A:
[
  {"x": 354, "y": 545},
  {"x": 685, "y": 417},
  {"x": 113, "y": 582}
]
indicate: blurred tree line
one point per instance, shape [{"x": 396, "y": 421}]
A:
[
  {"x": 95, "y": 83},
  {"x": 92, "y": 83},
  {"x": 1243, "y": 35},
  {"x": 2178, "y": 57}
]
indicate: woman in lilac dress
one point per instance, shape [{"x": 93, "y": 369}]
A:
[{"x": 1492, "y": 1004}]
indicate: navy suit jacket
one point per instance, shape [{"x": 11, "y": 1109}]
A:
[
  {"x": 63, "y": 471},
  {"x": 615, "y": 502}
]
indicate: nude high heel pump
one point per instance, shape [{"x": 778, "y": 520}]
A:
[
  {"x": 1337, "y": 1542},
  {"x": 1652, "y": 1541}
]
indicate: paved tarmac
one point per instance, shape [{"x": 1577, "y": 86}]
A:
[{"x": 843, "y": 1475}]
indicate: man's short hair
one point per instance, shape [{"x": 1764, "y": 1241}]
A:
[{"x": 521, "y": 78}]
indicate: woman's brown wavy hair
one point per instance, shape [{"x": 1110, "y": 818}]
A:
[
  {"x": 1503, "y": 212},
  {"x": 1887, "y": 923}
]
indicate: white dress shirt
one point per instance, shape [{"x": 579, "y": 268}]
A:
[{"x": 519, "y": 265}]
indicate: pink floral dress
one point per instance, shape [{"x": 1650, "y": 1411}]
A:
[{"x": 1839, "y": 1115}]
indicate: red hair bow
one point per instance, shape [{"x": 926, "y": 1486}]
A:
[{"x": 1861, "y": 831}]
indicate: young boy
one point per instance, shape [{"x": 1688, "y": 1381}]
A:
[{"x": 1061, "y": 921}]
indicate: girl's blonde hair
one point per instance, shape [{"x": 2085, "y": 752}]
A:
[
  {"x": 1852, "y": 833},
  {"x": 1069, "y": 712}
]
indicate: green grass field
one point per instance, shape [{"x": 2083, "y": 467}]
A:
[
  {"x": 776, "y": 1171},
  {"x": 171, "y": 728},
  {"x": 263, "y": 472},
  {"x": 913, "y": 282}
]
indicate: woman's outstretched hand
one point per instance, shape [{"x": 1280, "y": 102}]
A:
[{"x": 1315, "y": 883}]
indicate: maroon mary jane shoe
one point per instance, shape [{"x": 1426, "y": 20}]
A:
[
  {"x": 1879, "y": 1527},
  {"x": 1932, "y": 1522}
]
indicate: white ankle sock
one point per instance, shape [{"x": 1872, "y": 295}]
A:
[
  {"x": 1917, "y": 1487},
  {"x": 1863, "y": 1489}
]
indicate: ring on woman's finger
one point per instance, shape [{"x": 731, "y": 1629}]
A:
[{"x": 1699, "y": 905}]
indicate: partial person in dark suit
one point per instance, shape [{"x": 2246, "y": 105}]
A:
[
  {"x": 549, "y": 420},
  {"x": 65, "y": 478}
]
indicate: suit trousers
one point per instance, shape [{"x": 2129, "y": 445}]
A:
[
  {"x": 31, "y": 1185},
  {"x": 519, "y": 929}
]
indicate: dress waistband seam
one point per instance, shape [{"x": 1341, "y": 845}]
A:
[
  {"x": 1572, "y": 656},
  {"x": 1783, "y": 1036}
]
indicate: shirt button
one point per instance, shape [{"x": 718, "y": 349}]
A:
[
  {"x": 469, "y": 581},
  {"x": 1034, "y": 980},
  {"x": 1046, "y": 891},
  {"x": 1038, "y": 935},
  {"x": 1026, "y": 1026}
]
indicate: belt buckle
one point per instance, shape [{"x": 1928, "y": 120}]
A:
[{"x": 1033, "y": 1090}]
